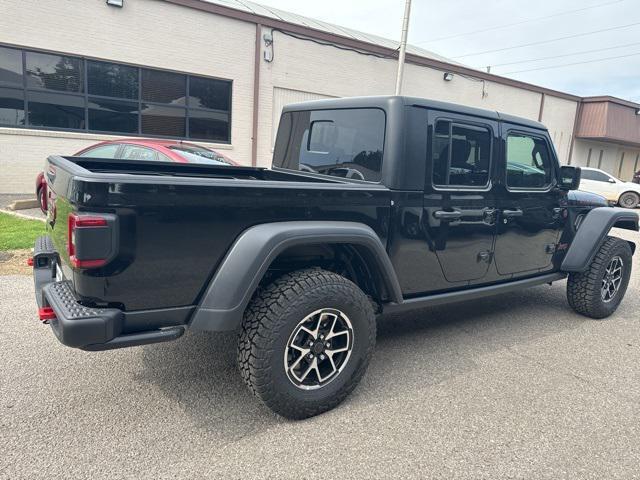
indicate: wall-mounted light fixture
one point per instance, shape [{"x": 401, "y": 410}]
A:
[
  {"x": 116, "y": 3},
  {"x": 448, "y": 76}
]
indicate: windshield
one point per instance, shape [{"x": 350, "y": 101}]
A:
[{"x": 193, "y": 154}]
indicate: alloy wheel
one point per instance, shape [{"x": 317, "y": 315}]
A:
[
  {"x": 318, "y": 349},
  {"x": 612, "y": 279}
]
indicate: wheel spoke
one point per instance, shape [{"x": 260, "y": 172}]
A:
[
  {"x": 312, "y": 365},
  {"x": 337, "y": 334},
  {"x": 338, "y": 350}
]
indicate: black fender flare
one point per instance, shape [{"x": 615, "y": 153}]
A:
[
  {"x": 592, "y": 232},
  {"x": 225, "y": 299}
]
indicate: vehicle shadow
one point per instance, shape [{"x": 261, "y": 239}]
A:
[{"x": 414, "y": 351}]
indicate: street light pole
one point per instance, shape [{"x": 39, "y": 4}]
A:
[{"x": 403, "y": 45}]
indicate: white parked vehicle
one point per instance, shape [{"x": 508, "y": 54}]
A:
[{"x": 616, "y": 191}]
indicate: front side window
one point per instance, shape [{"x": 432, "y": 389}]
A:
[
  {"x": 528, "y": 162},
  {"x": 461, "y": 155},
  {"x": 341, "y": 143}
]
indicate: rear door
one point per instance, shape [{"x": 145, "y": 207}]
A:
[
  {"x": 532, "y": 207},
  {"x": 459, "y": 201}
]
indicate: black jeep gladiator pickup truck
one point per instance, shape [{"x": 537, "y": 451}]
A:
[{"x": 373, "y": 205}]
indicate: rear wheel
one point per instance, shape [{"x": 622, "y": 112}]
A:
[
  {"x": 598, "y": 291},
  {"x": 306, "y": 341},
  {"x": 629, "y": 200}
]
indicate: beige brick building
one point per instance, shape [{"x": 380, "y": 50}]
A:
[{"x": 266, "y": 58}]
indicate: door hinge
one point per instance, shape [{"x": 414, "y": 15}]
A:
[{"x": 550, "y": 248}]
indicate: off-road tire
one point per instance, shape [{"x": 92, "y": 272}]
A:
[
  {"x": 269, "y": 321},
  {"x": 629, "y": 200},
  {"x": 584, "y": 289}
]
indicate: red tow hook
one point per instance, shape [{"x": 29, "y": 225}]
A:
[
  {"x": 30, "y": 261},
  {"x": 46, "y": 314}
]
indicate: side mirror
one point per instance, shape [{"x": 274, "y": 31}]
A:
[
  {"x": 611, "y": 180},
  {"x": 569, "y": 177}
]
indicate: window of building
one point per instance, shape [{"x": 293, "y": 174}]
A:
[
  {"x": 461, "y": 155},
  {"x": 341, "y": 143},
  {"x": 73, "y": 93},
  {"x": 528, "y": 162}
]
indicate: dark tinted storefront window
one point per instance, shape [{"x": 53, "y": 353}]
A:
[
  {"x": 10, "y": 67},
  {"x": 11, "y": 106},
  {"x": 163, "y": 121},
  {"x": 112, "y": 80},
  {"x": 164, "y": 87},
  {"x": 113, "y": 115},
  {"x": 341, "y": 143},
  {"x": 54, "y": 72},
  {"x": 55, "y": 110},
  {"x": 67, "y": 92}
]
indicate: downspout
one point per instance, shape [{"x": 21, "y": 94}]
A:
[
  {"x": 542, "y": 97},
  {"x": 256, "y": 96},
  {"x": 575, "y": 130}
]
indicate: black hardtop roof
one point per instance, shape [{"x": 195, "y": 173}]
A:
[{"x": 387, "y": 102}]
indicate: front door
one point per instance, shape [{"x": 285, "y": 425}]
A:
[
  {"x": 599, "y": 182},
  {"x": 459, "y": 216},
  {"x": 531, "y": 205}
]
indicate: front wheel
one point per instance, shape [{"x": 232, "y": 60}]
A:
[
  {"x": 306, "y": 342},
  {"x": 598, "y": 291},
  {"x": 629, "y": 200}
]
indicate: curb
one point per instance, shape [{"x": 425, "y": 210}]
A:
[{"x": 21, "y": 215}]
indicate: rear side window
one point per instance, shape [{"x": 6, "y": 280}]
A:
[
  {"x": 134, "y": 152},
  {"x": 528, "y": 162},
  {"x": 103, "y": 151},
  {"x": 341, "y": 143},
  {"x": 461, "y": 155}
]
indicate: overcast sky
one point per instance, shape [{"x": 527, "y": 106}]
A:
[{"x": 433, "y": 20}]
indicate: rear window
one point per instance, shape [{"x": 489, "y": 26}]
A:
[{"x": 340, "y": 143}]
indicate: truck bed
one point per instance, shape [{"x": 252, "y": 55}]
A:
[{"x": 175, "y": 222}]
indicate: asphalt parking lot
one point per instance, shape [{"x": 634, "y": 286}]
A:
[{"x": 513, "y": 386}]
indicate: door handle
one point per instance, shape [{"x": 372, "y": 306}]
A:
[
  {"x": 444, "y": 215},
  {"x": 512, "y": 213}
]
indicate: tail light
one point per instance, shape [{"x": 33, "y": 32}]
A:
[{"x": 77, "y": 224}]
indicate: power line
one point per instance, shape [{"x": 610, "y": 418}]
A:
[
  {"x": 498, "y": 27},
  {"x": 550, "y": 40},
  {"x": 566, "y": 55},
  {"x": 570, "y": 64}
]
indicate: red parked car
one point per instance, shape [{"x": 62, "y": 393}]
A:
[{"x": 143, "y": 149}]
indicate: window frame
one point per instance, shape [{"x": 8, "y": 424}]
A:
[
  {"x": 462, "y": 122},
  {"x": 552, "y": 156},
  {"x": 84, "y": 94}
]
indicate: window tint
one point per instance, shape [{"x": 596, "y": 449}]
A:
[
  {"x": 209, "y": 125},
  {"x": 10, "y": 67},
  {"x": 163, "y": 121},
  {"x": 117, "y": 98},
  {"x": 342, "y": 143},
  {"x": 461, "y": 155},
  {"x": 56, "y": 110},
  {"x": 594, "y": 175},
  {"x": 209, "y": 93},
  {"x": 112, "y": 80},
  {"x": 54, "y": 72},
  {"x": 103, "y": 151},
  {"x": 11, "y": 106},
  {"x": 528, "y": 162},
  {"x": 164, "y": 87},
  {"x": 134, "y": 152},
  {"x": 113, "y": 116}
]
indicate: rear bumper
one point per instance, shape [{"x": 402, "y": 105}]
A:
[{"x": 79, "y": 326}]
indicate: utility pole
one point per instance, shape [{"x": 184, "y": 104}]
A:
[{"x": 403, "y": 45}]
